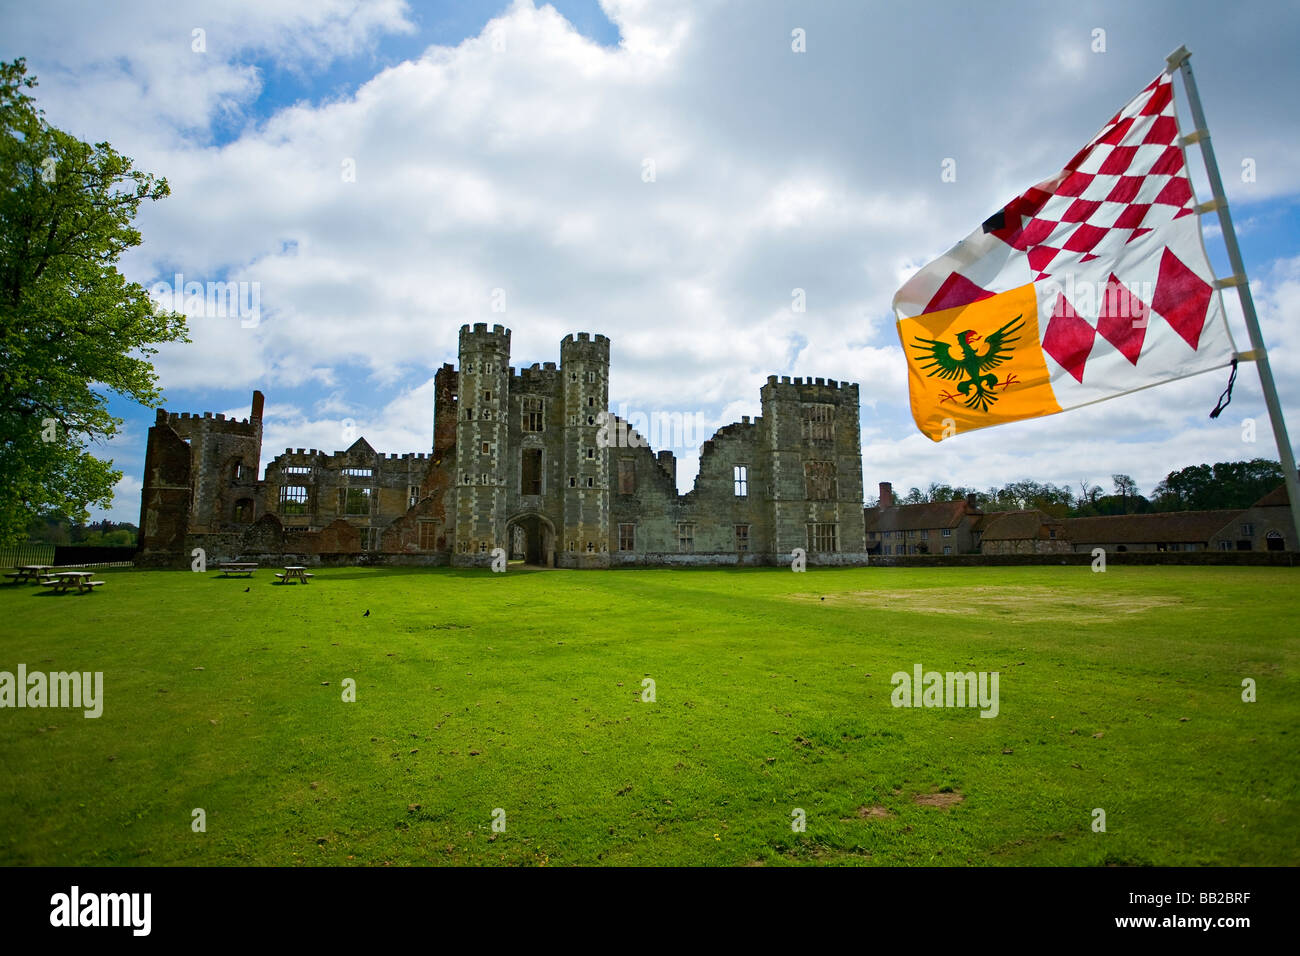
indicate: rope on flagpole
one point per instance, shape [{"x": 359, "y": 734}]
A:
[
  {"x": 1180, "y": 60},
  {"x": 1226, "y": 398}
]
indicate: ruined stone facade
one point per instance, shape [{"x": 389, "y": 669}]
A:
[{"x": 529, "y": 461}]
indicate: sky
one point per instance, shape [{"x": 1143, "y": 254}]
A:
[{"x": 665, "y": 173}]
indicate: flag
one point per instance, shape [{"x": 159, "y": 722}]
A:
[{"x": 1090, "y": 285}]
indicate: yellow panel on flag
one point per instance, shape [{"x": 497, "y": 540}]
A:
[{"x": 977, "y": 365}]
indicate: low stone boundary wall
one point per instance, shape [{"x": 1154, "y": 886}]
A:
[
  {"x": 730, "y": 559},
  {"x": 1239, "y": 558}
]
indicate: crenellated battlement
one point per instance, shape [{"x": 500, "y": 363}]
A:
[
  {"x": 188, "y": 424},
  {"x": 819, "y": 390},
  {"x": 583, "y": 346},
  {"x": 193, "y": 424},
  {"x": 478, "y": 338},
  {"x": 340, "y": 459},
  {"x": 537, "y": 373}
]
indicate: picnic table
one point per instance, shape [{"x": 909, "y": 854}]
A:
[
  {"x": 294, "y": 572},
  {"x": 29, "y": 572},
  {"x": 63, "y": 581},
  {"x": 231, "y": 568}
]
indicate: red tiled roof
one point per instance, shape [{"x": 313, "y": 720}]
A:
[
  {"x": 1020, "y": 526},
  {"x": 1159, "y": 528},
  {"x": 934, "y": 514},
  {"x": 1277, "y": 498}
]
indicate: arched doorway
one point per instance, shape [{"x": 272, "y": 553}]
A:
[
  {"x": 532, "y": 537},
  {"x": 1274, "y": 541}
]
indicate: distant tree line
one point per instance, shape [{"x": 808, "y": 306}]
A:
[
  {"x": 59, "y": 530},
  {"x": 1227, "y": 484}
]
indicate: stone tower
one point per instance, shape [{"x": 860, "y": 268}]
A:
[
  {"x": 584, "y": 535},
  {"x": 482, "y": 434},
  {"x": 814, "y": 449},
  {"x": 224, "y": 461}
]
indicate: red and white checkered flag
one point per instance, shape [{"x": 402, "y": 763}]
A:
[{"x": 1103, "y": 264}]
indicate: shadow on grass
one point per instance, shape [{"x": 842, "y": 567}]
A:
[{"x": 343, "y": 574}]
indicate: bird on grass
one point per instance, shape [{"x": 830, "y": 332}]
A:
[
  {"x": 367, "y": 614},
  {"x": 246, "y": 590}
]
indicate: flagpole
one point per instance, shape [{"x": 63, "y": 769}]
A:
[{"x": 1181, "y": 59}]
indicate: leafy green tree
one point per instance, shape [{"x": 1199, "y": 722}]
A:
[
  {"x": 1125, "y": 488},
  {"x": 71, "y": 326},
  {"x": 1226, "y": 484}
]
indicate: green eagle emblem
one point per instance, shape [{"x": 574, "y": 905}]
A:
[{"x": 977, "y": 382}]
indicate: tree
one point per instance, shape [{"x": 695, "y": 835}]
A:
[
  {"x": 1088, "y": 492},
  {"x": 1227, "y": 484},
  {"x": 938, "y": 492},
  {"x": 70, "y": 323},
  {"x": 1125, "y": 488}
]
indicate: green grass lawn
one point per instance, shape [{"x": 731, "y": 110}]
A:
[{"x": 1120, "y": 691}]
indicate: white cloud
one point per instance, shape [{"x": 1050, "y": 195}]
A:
[{"x": 514, "y": 160}]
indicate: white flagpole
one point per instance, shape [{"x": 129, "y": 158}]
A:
[{"x": 1180, "y": 59}]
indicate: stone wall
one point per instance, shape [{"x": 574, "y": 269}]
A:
[{"x": 1026, "y": 546}]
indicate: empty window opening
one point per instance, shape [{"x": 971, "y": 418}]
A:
[
  {"x": 740, "y": 480},
  {"x": 530, "y": 472},
  {"x": 823, "y": 537},
  {"x": 818, "y": 422},
  {"x": 293, "y": 500},
  {"x": 356, "y": 501},
  {"x": 532, "y": 415}
]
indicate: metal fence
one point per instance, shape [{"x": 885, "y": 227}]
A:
[
  {"x": 67, "y": 556},
  {"x": 20, "y": 554}
]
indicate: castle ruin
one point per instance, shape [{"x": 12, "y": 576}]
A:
[{"x": 530, "y": 461}]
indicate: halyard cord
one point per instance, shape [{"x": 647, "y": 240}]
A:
[{"x": 1226, "y": 398}]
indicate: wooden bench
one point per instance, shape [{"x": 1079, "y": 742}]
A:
[
  {"x": 29, "y": 572},
  {"x": 294, "y": 574},
  {"x": 232, "y": 568},
  {"x": 63, "y": 581}
]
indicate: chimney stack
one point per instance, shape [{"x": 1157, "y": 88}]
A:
[
  {"x": 886, "y": 495},
  {"x": 972, "y": 502},
  {"x": 258, "y": 399}
]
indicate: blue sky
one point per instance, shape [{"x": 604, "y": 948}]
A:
[
  {"x": 441, "y": 24},
  {"x": 503, "y": 146}
]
